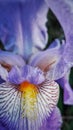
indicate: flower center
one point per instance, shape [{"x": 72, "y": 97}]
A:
[
  {"x": 28, "y": 87},
  {"x": 29, "y": 99}
]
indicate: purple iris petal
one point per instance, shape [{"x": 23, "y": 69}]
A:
[
  {"x": 14, "y": 76},
  {"x": 68, "y": 92},
  {"x": 27, "y": 73},
  {"x": 63, "y": 11},
  {"x": 51, "y": 62},
  {"x": 58, "y": 71},
  {"x": 19, "y": 30},
  {"x": 3, "y": 73},
  {"x": 1, "y": 80},
  {"x": 66, "y": 51},
  {"x": 2, "y": 127},
  {"x": 11, "y": 59},
  {"x": 27, "y": 112},
  {"x": 54, "y": 122},
  {"x": 55, "y": 44},
  {"x": 44, "y": 58}
]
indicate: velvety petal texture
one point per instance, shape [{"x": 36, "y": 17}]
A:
[
  {"x": 54, "y": 122},
  {"x": 51, "y": 61},
  {"x": 20, "y": 26},
  {"x": 8, "y": 58},
  {"x": 1, "y": 80},
  {"x": 3, "y": 73},
  {"x": 14, "y": 116},
  {"x": 47, "y": 58},
  {"x": 27, "y": 73},
  {"x": 68, "y": 92},
  {"x": 58, "y": 71},
  {"x": 2, "y": 127},
  {"x": 29, "y": 96},
  {"x": 66, "y": 59},
  {"x": 64, "y": 12}
]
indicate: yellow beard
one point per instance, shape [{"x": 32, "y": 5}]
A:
[{"x": 29, "y": 100}]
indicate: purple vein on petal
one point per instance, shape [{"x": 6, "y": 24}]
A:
[{"x": 11, "y": 106}]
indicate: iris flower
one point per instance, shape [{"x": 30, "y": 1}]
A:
[{"x": 29, "y": 91}]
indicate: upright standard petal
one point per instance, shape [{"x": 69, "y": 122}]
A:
[
  {"x": 21, "y": 29},
  {"x": 64, "y": 12},
  {"x": 9, "y": 15},
  {"x": 38, "y": 25}
]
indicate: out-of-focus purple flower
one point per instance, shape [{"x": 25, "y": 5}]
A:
[{"x": 29, "y": 95}]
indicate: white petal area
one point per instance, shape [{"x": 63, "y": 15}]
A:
[
  {"x": 47, "y": 99},
  {"x": 11, "y": 101},
  {"x": 9, "y": 106},
  {"x": 3, "y": 73}
]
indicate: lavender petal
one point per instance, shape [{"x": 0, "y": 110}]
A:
[
  {"x": 11, "y": 59},
  {"x": 27, "y": 73},
  {"x": 2, "y": 127},
  {"x": 3, "y": 73},
  {"x": 51, "y": 62},
  {"x": 21, "y": 29},
  {"x": 64, "y": 12},
  {"x": 45, "y": 59},
  {"x": 54, "y": 122},
  {"x": 68, "y": 92}
]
